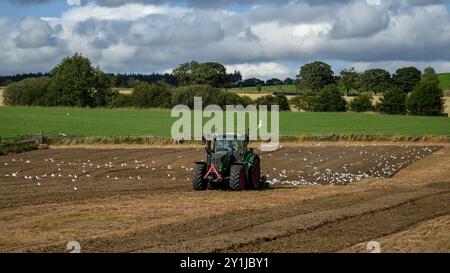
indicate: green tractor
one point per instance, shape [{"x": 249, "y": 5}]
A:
[{"x": 229, "y": 164}]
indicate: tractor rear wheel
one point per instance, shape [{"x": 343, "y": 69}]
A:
[
  {"x": 237, "y": 178},
  {"x": 255, "y": 173},
  {"x": 198, "y": 182}
]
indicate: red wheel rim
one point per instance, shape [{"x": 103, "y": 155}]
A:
[
  {"x": 256, "y": 175},
  {"x": 242, "y": 179}
]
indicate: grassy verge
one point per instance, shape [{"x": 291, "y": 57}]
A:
[
  {"x": 16, "y": 148},
  {"x": 284, "y": 139},
  {"x": 145, "y": 140}
]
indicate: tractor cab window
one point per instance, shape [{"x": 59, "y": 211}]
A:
[{"x": 227, "y": 145}]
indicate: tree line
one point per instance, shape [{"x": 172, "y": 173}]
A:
[
  {"x": 130, "y": 80},
  {"x": 316, "y": 75},
  {"x": 117, "y": 80},
  {"x": 76, "y": 82},
  {"x": 6, "y": 80},
  {"x": 408, "y": 91}
]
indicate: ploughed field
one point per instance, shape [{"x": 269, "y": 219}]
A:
[{"x": 323, "y": 197}]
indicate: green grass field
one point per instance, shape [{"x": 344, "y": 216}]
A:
[
  {"x": 123, "y": 122},
  {"x": 444, "y": 80}
]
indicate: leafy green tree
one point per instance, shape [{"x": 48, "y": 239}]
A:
[
  {"x": 210, "y": 95},
  {"x": 288, "y": 81},
  {"x": 75, "y": 82},
  {"x": 120, "y": 100},
  {"x": 151, "y": 96},
  {"x": 329, "y": 99},
  {"x": 210, "y": 73},
  {"x": 132, "y": 83},
  {"x": 375, "y": 80},
  {"x": 316, "y": 75},
  {"x": 225, "y": 98},
  {"x": 233, "y": 79},
  {"x": 350, "y": 79},
  {"x": 6, "y": 82},
  {"x": 427, "y": 99},
  {"x": 244, "y": 100},
  {"x": 185, "y": 95},
  {"x": 251, "y": 82},
  {"x": 184, "y": 73},
  {"x": 429, "y": 75},
  {"x": 72, "y": 82},
  {"x": 195, "y": 73},
  {"x": 102, "y": 93},
  {"x": 393, "y": 102},
  {"x": 116, "y": 80},
  {"x": 283, "y": 102},
  {"x": 304, "y": 102},
  {"x": 30, "y": 92},
  {"x": 274, "y": 81},
  {"x": 407, "y": 78},
  {"x": 269, "y": 100},
  {"x": 362, "y": 103}
]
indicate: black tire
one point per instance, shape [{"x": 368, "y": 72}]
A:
[
  {"x": 254, "y": 174},
  {"x": 198, "y": 183},
  {"x": 237, "y": 178}
]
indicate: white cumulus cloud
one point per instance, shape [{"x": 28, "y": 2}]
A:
[
  {"x": 262, "y": 70},
  {"x": 155, "y": 35}
]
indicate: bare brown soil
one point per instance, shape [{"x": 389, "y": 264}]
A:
[
  {"x": 428, "y": 236},
  {"x": 324, "y": 198}
]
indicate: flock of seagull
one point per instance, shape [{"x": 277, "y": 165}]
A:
[
  {"x": 87, "y": 168},
  {"x": 380, "y": 165},
  {"x": 308, "y": 168}
]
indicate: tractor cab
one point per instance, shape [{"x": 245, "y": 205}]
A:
[
  {"x": 222, "y": 150},
  {"x": 229, "y": 163},
  {"x": 230, "y": 143},
  {"x": 227, "y": 145}
]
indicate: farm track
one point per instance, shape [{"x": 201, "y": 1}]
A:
[{"x": 160, "y": 212}]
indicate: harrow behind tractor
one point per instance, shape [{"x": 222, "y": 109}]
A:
[{"x": 229, "y": 164}]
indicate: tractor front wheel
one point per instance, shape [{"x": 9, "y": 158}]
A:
[
  {"x": 237, "y": 177},
  {"x": 198, "y": 182}
]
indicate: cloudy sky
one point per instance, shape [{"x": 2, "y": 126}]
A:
[{"x": 266, "y": 38}]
